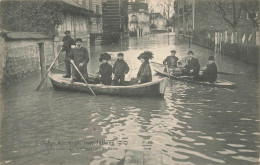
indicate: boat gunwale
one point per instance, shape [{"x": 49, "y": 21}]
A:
[
  {"x": 217, "y": 84},
  {"x": 109, "y": 86}
]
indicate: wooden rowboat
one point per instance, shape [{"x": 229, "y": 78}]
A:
[
  {"x": 159, "y": 69},
  {"x": 150, "y": 89}
]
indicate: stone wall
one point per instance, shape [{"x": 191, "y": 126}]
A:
[{"x": 22, "y": 57}]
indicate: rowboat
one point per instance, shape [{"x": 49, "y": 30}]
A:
[
  {"x": 150, "y": 89},
  {"x": 159, "y": 69}
]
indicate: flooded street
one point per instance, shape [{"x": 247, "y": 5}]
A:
[{"x": 192, "y": 124}]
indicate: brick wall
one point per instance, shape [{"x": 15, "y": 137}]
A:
[{"x": 22, "y": 57}]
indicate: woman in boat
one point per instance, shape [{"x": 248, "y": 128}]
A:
[
  {"x": 209, "y": 72},
  {"x": 105, "y": 69},
  {"x": 144, "y": 74}
]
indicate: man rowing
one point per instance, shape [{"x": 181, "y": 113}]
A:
[{"x": 170, "y": 61}]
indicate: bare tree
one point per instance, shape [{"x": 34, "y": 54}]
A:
[
  {"x": 251, "y": 7},
  {"x": 230, "y": 11},
  {"x": 150, "y": 6},
  {"x": 166, "y": 7}
]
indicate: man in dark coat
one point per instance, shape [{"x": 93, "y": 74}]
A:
[
  {"x": 192, "y": 66},
  {"x": 120, "y": 68},
  {"x": 209, "y": 73},
  {"x": 171, "y": 61},
  {"x": 67, "y": 42},
  {"x": 79, "y": 55},
  {"x": 105, "y": 69}
]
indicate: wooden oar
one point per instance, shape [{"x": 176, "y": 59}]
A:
[
  {"x": 72, "y": 62},
  {"x": 168, "y": 71},
  {"x": 41, "y": 83},
  {"x": 227, "y": 73}
]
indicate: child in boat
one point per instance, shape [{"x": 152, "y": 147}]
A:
[
  {"x": 120, "y": 68},
  {"x": 209, "y": 72},
  {"x": 105, "y": 69},
  {"x": 144, "y": 74}
]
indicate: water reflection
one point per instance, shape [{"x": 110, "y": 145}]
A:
[{"x": 192, "y": 124}]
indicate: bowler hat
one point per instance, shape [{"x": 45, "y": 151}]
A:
[
  {"x": 173, "y": 51},
  {"x": 67, "y": 32},
  {"x": 211, "y": 58},
  {"x": 104, "y": 56},
  {"x": 190, "y": 52},
  {"x": 78, "y": 40}
]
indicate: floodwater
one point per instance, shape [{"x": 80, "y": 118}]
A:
[{"x": 192, "y": 124}]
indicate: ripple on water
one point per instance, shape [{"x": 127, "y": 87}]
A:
[
  {"x": 199, "y": 144},
  {"x": 256, "y": 133},
  {"x": 187, "y": 139},
  {"x": 236, "y": 145},
  {"x": 227, "y": 152},
  {"x": 206, "y": 137},
  {"x": 249, "y": 159},
  {"x": 245, "y": 119},
  {"x": 245, "y": 150}
]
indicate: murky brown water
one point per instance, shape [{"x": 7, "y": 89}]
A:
[{"x": 192, "y": 124}]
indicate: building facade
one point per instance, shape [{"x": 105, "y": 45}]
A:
[
  {"x": 24, "y": 53},
  {"x": 76, "y": 19},
  {"x": 115, "y": 20},
  {"x": 138, "y": 19}
]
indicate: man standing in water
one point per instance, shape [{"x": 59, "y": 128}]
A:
[
  {"x": 67, "y": 42},
  {"x": 79, "y": 55}
]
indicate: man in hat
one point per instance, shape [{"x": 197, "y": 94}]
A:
[
  {"x": 67, "y": 42},
  {"x": 171, "y": 61},
  {"x": 79, "y": 55},
  {"x": 209, "y": 72},
  {"x": 192, "y": 66}
]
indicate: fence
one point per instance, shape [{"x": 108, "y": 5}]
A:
[{"x": 227, "y": 44}]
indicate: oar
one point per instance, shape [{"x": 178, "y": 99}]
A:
[
  {"x": 227, "y": 73},
  {"x": 72, "y": 62},
  {"x": 168, "y": 71},
  {"x": 41, "y": 83}
]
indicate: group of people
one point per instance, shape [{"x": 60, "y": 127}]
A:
[
  {"x": 190, "y": 66},
  {"x": 121, "y": 68},
  {"x": 79, "y": 57}
]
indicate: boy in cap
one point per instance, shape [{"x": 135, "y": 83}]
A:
[
  {"x": 192, "y": 66},
  {"x": 105, "y": 69},
  {"x": 209, "y": 72},
  {"x": 79, "y": 55},
  {"x": 171, "y": 61},
  {"x": 67, "y": 42},
  {"x": 120, "y": 68}
]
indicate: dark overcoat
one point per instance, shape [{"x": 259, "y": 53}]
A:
[{"x": 144, "y": 74}]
